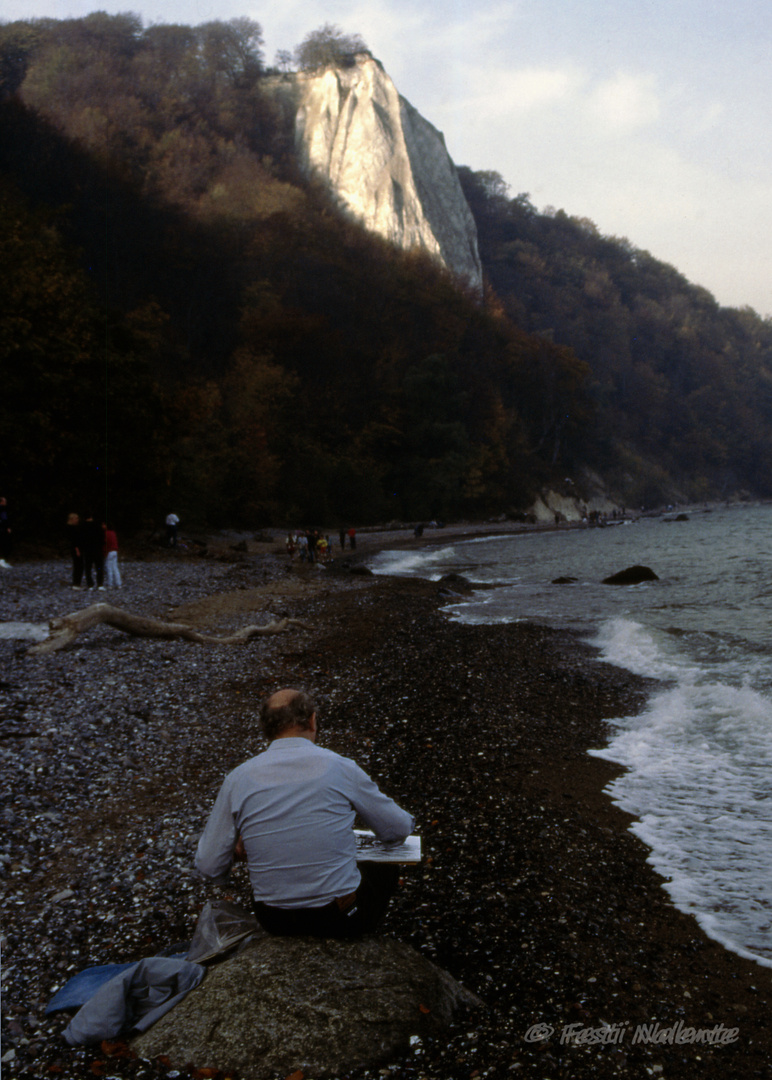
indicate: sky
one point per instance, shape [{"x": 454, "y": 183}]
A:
[{"x": 650, "y": 117}]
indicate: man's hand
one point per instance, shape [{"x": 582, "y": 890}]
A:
[{"x": 239, "y": 852}]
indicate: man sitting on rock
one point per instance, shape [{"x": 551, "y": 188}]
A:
[{"x": 289, "y": 811}]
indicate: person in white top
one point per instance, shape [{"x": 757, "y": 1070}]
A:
[
  {"x": 172, "y": 524},
  {"x": 290, "y": 813}
]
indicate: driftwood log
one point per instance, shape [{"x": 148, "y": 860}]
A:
[{"x": 64, "y": 630}]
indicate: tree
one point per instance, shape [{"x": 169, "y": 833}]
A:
[
  {"x": 136, "y": 415},
  {"x": 256, "y": 396},
  {"x": 233, "y": 50},
  {"x": 433, "y": 452},
  {"x": 17, "y": 43},
  {"x": 283, "y": 60},
  {"x": 52, "y": 401},
  {"x": 328, "y": 47}
]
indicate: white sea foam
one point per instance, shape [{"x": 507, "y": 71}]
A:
[
  {"x": 425, "y": 562},
  {"x": 699, "y": 761},
  {"x": 627, "y": 644}
]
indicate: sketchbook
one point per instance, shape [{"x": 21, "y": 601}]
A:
[{"x": 371, "y": 849}]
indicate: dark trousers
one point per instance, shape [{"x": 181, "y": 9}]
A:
[
  {"x": 77, "y": 569},
  {"x": 94, "y": 561},
  {"x": 347, "y": 917}
]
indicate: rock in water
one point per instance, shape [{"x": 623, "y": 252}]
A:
[
  {"x": 388, "y": 166},
  {"x": 321, "y": 1006},
  {"x": 633, "y": 575},
  {"x": 456, "y": 583}
]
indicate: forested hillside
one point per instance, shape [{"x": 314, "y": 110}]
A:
[
  {"x": 186, "y": 323},
  {"x": 682, "y": 387}
]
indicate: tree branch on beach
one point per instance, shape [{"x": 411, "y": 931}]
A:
[{"x": 64, "y": 630}]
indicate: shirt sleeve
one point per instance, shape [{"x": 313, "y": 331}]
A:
[
  {"x": 389, "y": 822},
  {"x": 214, "y": 853}
]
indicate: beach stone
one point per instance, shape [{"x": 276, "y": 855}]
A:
[
  {"x": 65, "y": 894},
  {"x": 633, "y": 575},
  {"x": 321, "y": 1006}
]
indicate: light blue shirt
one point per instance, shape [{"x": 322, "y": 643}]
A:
[{"x": 294, "y": 807}]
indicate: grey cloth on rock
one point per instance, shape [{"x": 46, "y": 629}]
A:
[
  {"x": 221, "y": 926},
  {"x": 133, "y": 1000}
]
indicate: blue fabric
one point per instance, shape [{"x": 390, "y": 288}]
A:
[
  {"x": 81, "y": 987},
  {"x": 133, "y": 999}
]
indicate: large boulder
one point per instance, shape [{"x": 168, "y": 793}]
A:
[
  {"x": 633, "y": 575},
  {"x": 319, "y": 1006}
]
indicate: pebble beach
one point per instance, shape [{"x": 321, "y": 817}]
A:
[{"x": 532, "y": 892}]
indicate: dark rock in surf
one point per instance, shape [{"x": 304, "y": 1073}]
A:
[
  {"x": 633, "y": 575},
  {"x": 564, "y": 581},
  {"x": 455, "y": 583},
  {"x": 326, "y": 1006}
]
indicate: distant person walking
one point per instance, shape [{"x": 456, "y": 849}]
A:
[
  {"x": 110, "y": 548},
  {"x": 352, "y": 538},
  {"x": 5, "y": 534},
  {"x": 172, "y": 523},
  {"x": 75, "y": 540}
]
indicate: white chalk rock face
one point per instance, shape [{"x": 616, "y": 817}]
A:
[{"x": 387, "y": 164}]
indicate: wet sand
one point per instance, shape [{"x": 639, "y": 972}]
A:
[{"x": 532, "y": 891}]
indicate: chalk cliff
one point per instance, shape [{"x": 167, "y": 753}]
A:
[{"x": 387, "y": 165}]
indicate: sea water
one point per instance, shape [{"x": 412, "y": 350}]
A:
[{"x": 698, "y": 757}]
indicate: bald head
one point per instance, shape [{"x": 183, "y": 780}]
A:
[{"x": 288, "y": 713}]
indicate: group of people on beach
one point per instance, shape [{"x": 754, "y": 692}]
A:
[
  {"x": 94, "y": 553},
  {"x": 313, "y": 546},
  {"x": 309, "y": 545}
]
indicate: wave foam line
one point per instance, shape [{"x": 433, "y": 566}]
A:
[{"x": 699, "y": 781}]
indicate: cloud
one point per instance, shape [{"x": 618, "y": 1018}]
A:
[
  {"x": 530, "y": 90},
  {"x": 624, "y": 102},
  {"x": 500, "y": 106}
]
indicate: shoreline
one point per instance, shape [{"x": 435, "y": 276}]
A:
[{"x": 532, "y": 891}]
